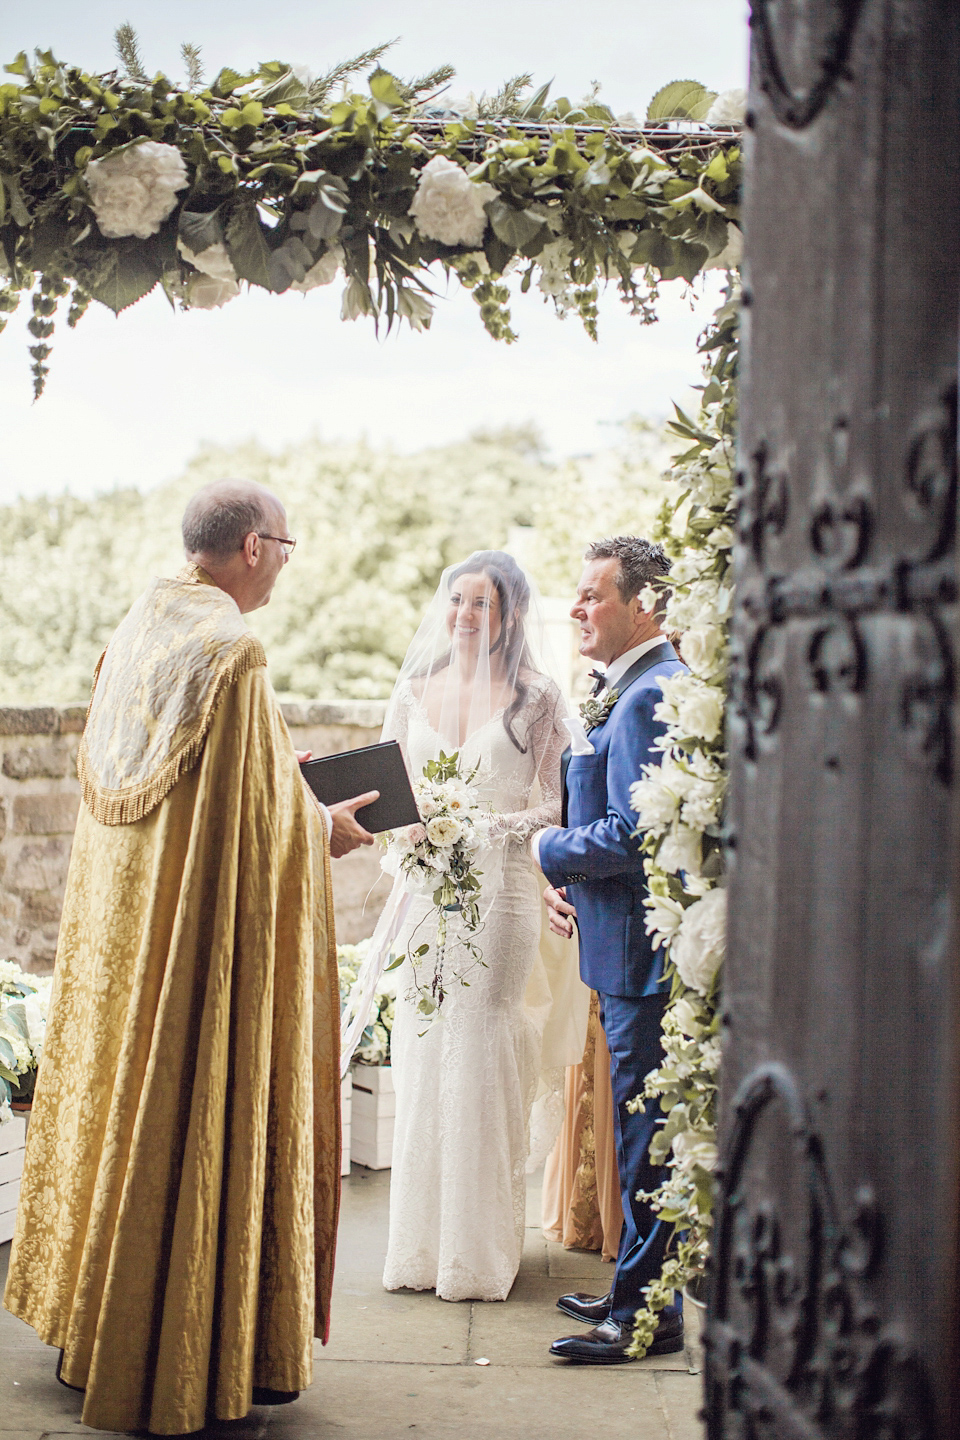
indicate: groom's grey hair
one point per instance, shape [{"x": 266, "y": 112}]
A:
[
  {"x": 639, "y": 563},
  {"x": 219, "y": 517}
]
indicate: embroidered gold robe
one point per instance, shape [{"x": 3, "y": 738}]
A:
[{"x": 177, "y": 1220}]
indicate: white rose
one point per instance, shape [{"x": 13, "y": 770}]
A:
[
  {"x": 324, "y": 272},
  {"x": 680, "y": 850},
  {"x": 698, "y": 947},
  {"x": 134, "y": 190},
  {"x": 700, "y": 712},
  {"x": 214, "y": 261},
  {"x": 427, "y": 806},
  {"x": 204, "y": 292},
  {"x": 686, "y": 1018},
  {"x": 729, "y": 108},
  {"x": 448, "y": 205},
  {"x": 702, "y": 649},
  {"x": 443, "y": 830}
]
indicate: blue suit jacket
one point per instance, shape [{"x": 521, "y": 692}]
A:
[{"x": 596, "y": 857}]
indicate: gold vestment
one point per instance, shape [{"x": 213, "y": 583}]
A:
[{"x": 177, "y": 1219}]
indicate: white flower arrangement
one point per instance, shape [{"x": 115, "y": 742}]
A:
[
  {"x": 448, "y": 205},
  {"x": 133, "y": 189},
  {"x": 679, "y": 804},
  {"x": 373, "y": 1047},
  {"x": 437, "y": 858},
  {"x": 24, "y": 1003}
]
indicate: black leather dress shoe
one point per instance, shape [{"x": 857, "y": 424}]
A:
[
  {"x": 593, "y": 1309},
  {"x": 607, "y": 1344},
  {"x": 263, "y": 1396}
]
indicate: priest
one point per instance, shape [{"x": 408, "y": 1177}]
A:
[{"x": 178, "y": 1212}]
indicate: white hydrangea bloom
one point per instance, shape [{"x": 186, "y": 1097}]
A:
[
  {"x": 448, "y": 205},
  {"x": 729, "y": 108},
  {"x": 698, "y": 947},
  {"x": 132, "y": 191}
]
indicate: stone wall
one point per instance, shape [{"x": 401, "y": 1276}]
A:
[{"x": 40, "y": 796}]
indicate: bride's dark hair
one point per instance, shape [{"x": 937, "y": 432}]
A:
[{"x": 511, "y": 585}]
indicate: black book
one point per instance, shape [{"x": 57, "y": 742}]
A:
[{"x": 353, "y": 772}]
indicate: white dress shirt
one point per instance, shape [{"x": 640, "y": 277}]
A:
[{"x": 613, "y": 672}]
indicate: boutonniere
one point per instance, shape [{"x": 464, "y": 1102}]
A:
[{"x": 595, "y": 709}]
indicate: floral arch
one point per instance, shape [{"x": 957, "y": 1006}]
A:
[{"x": 111, "y": 185}]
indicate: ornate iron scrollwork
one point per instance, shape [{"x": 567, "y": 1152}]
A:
[
  {"x": 795, "y": 1347},
  {"x": 817, "y": 39}
]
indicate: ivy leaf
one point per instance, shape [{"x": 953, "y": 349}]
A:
[
  {"x": 515, "y": 228},
  {"x": 681, "y": 100},
  {"x": 198, "y": 232},
  {"x": 16, "y": 1015},
  {"x": 227, "y": 81},
  {"x": 250, "y": 250},
  {"x": 124, "y": 275}
]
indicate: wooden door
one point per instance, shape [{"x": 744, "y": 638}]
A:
[{"x": 835, "y": 1274}]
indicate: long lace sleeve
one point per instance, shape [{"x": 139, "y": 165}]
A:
[{"x": 548, "y": 739}]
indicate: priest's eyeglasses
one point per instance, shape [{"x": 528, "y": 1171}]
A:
[{"x": 288, "y": 545}]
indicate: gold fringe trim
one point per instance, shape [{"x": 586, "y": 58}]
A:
[{"x": 124, "y": 807}]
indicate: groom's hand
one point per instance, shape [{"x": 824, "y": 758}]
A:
[
  {"x": 560, "y": 912},
  {"x": 346, "y": 832}
]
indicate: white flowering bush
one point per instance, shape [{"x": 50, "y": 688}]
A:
[
  {"x": 133, "y": 189},
  {"x": 679, "y": 805},
  {"x": 449, "y": 206},
  {"x": 24, "y": 1002},
  {"x": 373, "y": 1047}
]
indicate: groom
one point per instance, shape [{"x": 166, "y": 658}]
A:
[{"x": 595, "y": 870}]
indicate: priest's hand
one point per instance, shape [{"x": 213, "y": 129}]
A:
[
  {"x": 346, "y": 832},
  {"x": 560, "y": 913}
]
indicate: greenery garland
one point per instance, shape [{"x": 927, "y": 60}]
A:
[
  {"x": 679, "y": 803},
  {"x": 113, "y": 184}
]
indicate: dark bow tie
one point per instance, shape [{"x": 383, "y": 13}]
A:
[{"x": 600, "y": 681}]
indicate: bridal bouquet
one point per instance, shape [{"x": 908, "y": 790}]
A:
[
  {"x": 24, "y": 1001},
  {"x": 437, "y": 858}
]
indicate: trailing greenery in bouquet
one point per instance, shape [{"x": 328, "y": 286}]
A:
[
  {"x": 24, "y": 1002},
  {"x": 112, "y": 184},
  {"x": 373, "y": 1047},
  {"x": 679, "y": 804},
  {"x": 438, "y": 859}
]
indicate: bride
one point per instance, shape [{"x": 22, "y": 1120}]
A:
[{"x": 472, "y": 682}]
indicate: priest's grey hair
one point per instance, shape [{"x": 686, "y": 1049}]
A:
[
  {"x": 639, "y": 563},
  {"x": 219, "y": 517}
]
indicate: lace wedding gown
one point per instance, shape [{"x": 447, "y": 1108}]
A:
[{"x": 465, "y": 1087}]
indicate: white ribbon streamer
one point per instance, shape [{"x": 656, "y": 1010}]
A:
[{"x": 356, "y": 1012}]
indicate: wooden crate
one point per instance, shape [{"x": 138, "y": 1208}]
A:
[
  {"x": 374, "y": 1108},
  {"x": 13, "y": 1137}
]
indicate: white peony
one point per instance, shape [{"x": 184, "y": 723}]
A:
[
  {"x": 448, "y": 205},
  {"x": 729, "y": 108},
  {"x": 443, "y": 830},
  {"x": 680, "y": 850},
  {"x": 653, "y": 801},
  {"x": 205, "y": 292},
  {"x": 214, "y": 261},
  {"x": 698, "y": 947},
  {"x": 324, "y": 272},
  {"x": 702, "y": 648},
  {"x": 700, "y": 712},
  {"x": 134, "y": 190},
  {"x": 691, "y": 1149}
]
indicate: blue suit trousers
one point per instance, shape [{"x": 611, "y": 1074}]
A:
[{"x": 632, "y": 1027}]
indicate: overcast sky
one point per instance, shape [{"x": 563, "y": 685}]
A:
[{"x": 129, "y": 400}]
